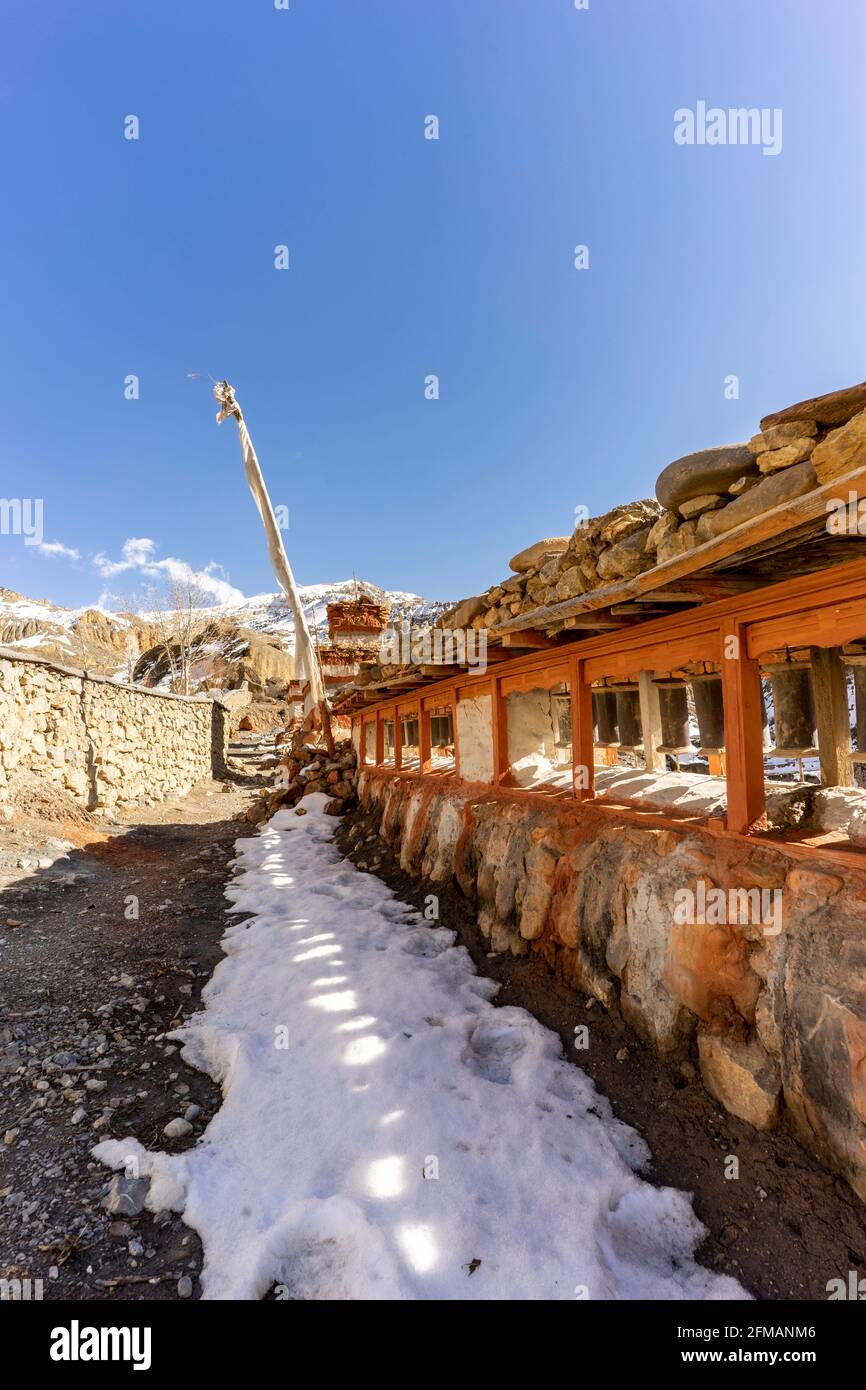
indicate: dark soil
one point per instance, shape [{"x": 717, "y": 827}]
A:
[
  {"x": 784, "y": 1227},
  {"x": 87, "y": 994}
]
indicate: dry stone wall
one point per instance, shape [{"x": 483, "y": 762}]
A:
[
  {"x": 104, "y": 744},
  {"x": 765, "y": 993}
]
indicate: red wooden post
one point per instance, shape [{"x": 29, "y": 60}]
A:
[
  {"x": 744, "y": 746},
  {"x": 582, "y": 751}
]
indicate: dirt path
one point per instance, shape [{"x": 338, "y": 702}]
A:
[
  {"x": 88, "y": 990},
  {"x": 784, "y": 1227}
]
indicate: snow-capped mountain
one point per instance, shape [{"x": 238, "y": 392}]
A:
[{"x": 110, "y": 643}]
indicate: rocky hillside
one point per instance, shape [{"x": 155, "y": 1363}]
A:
[{"x": 251, "y": 642}]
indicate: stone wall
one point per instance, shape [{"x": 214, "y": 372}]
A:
[
  {"x": 104, "y": 744},
  {"x": 769, "y": 1002}
]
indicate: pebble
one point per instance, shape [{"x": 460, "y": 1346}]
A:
[
  {"x": 192, "y": 1112},
  {"x": 184, "y": 1286},
  {"x": 177, "y": 1129}
]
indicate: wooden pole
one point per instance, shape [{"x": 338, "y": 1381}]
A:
[
  {"x": 744, "y": 747},
  {"x": 830, "y": 688}
]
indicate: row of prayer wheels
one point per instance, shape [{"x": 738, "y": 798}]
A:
[
  {"x": 617, "y": 715},
  {"x": 616, "y": 712}
]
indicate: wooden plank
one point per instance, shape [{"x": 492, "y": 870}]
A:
[
  {"x": 760, "y": 528},
  {"x": 744, "y": 749},
  {"x": 535, "y": 680},
  {"x": 829, "y": 624},
  {"x": 655, "y": 656},
  {"x": 830, "y": 687},
  {"x": 651, "y": 721}
]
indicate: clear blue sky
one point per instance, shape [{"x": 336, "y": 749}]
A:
[{"x": 559, "y": 387}]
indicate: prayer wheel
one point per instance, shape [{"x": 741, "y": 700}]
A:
[
  {"x": 710, "y": 711},
  {"x": 605, "y": 714},
  {"x": 674, "y": 710},
  {"x": 858, "y": 667},
  {"x": 628, "y": 717},
  {"x": 793, "y": 707}
]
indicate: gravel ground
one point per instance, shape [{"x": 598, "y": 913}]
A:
[{"x": 100, "y": 956}]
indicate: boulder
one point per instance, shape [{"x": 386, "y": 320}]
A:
[
  {"x": 770, "y": 492},
  {"x": 707, "y": 471},
  {"x": 535, "y": 555},
  {"x": 742, "y": 1077},
  {"x": 842, "y": 450},
  {"x": 833, "y": 409}
]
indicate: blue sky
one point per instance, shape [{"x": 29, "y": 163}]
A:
[{"x": 558, "y": 388}]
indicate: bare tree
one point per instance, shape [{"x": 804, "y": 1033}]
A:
[{"x": 177, "y": 617}]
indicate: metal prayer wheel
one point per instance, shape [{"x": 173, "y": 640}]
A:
[
  {"x": 710, "y": 712},
  {"x": 794, "y": 708},
  {"x": 628, "y": 718},
  {"x": 604, "y": 711},
  {"x": 674, "y": 711},
  {"x": 858, "y": 668}
]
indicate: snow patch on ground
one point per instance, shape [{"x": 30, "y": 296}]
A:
[{"x": 412, "y": 1140}]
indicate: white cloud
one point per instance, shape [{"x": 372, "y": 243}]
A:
[
  {"x": 57, "y": 548},
  {"x": 139, "y": 553}
]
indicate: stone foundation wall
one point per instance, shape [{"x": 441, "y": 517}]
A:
[
  {"x": 769, "y": 1001},
  {"x": 104, "y": 744}
]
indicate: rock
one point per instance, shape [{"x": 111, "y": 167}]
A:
[
  {"x": 789, "y": 454},
  {"x": 841, "y": 451},
  {"x": 770, "y": 492},
  {"x": 832, "y": 409},
  {"x": 681, "y": 540},
  {"x": 782, "y": 434},
  {"x": 535, "y": 555},
  {"x": 126, "y": 1196},
  {"x": 625, "y": 559},
  {"x": 184, "y": 1286},
  {"x": 742, "y": 1077},
  {"x": 620, "y": 522},
  {"x": 701, "y": 473},
  {"x": 177, "y": 1129},
  {"x": 661, "y": 529},
  {"x": 696, "y": 505},
  {"x": 570, "y": 585},
  {"x": 743, "y": 484},
  {"x": 463, "y": 614}
]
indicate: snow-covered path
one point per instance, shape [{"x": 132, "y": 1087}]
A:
[{"x": 386, "y": 1131}]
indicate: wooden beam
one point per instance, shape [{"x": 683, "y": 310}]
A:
[
  {"x": 398, "y": 740},
  {"x": 830, "y": 688},
  {"x": 501, "y": 764},
  {"x": 527, "y": 639},
  {"x": 651, "y": 721},
  {"x": 744, "y": 747},
  {"x": 425, "y": 758},
  {"x": 582, "y": 749},
  {"x": 786, "y": 516}
]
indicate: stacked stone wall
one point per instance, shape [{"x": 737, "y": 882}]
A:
[{"x": 104, "y": 744}]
